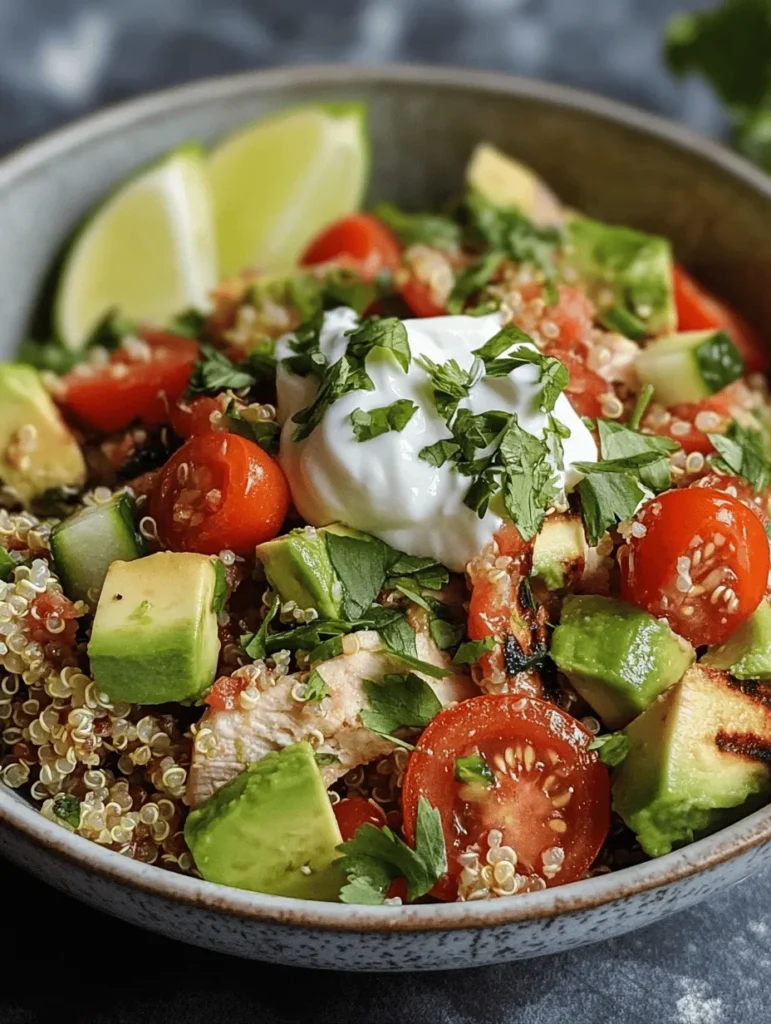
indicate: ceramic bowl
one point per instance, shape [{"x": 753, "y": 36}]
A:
[{"x": 606, "y": 159}]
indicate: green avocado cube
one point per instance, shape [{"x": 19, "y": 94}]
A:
[
  {"x": 155, "y": 636},
  {"x": 633, "y": 268},
  {"x": 690, "y": 767},
  {"x": 746, "y": 654},
  {"x": 619, "y": 658},
  {"x": 559, "y": 552},
  {"x": 270, "y": 829}
]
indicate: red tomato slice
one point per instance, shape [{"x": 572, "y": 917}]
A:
[
  {"x": 687, "y": 425},
  {"x": 702, "y": 563},
  {"x": 199, "y": 415},
  {"x": 549, "y": 801},
  {"x": 132, "y": 385},
  {"x": 419, "y": 297},
  {"x": 355, "y": 811},
  {"x": 219, "y": 491},
  {"x": 359, "y": 241},
  {"x": 698, "y": 310}
]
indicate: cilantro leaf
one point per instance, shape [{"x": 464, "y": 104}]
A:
[
  {"x": 530, "y": 482},
  {"x": 67, "y": 808},
  {"x": 110, "y": 330},
  {"x": 439, "y": 452},
  {"x": 361, "y": 564},
  {"x": 308, "y": 359},
  {"x": 343, "y": 287},
  {"x": 501, "y": 342},
  {"x": 470, "y": 652},
  {"x": 375, "y": 856},
  {"x": 445, "y": 634},
  {"x": 611, "y": 748},
  {"x": 624, "y": 448},
  {"x": 420, "y": 228},
  {"x": 744, "y": 451},
  {"x": 474, "y": 771},
  {"x": 316, "y": 688},
  {"x": 450, "y": 383},
  {"x": 374, "y": 422},
  {"x": 265, "y": 433},
  {"x": 337, "y": 380},
  {"x": 322, "y": 759},
  {"x": 473, "y": 279},
  {"x": 255, "y": 644},
  {"x": 190, "y": 323},
  {"x": 552, "y": 373},
  {"x": 380, "y": 332},
  {"x": 399, "y": 702},
  {"x": 427, "y": 572},
  {"x": 607, "y": 498},
  {"x": 214, "y": 372}
]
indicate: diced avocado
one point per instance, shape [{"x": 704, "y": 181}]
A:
[
  {"x": 506, "y": 182},
  {"x": 299, "y": 569},
  {"x": 270, "y": 829},
  {"x": 690, "y": 768},
  {"x": 689, "y": 366},
  {"x": 560, "y": 549},
  {"x": 634, "y": 269},
  {"x": 746, "y": 654},
  {"x": 155, "y": 635},
  {"x": 85, "y": 544},
  {"x": 37, "y": 450},
  {"x": 618, "y": 657}
]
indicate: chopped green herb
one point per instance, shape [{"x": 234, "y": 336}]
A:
[
  {"x": 399, "y": 702},
  {"x": 110, "y": 330},
  {"x": 7, "y": 565},
  {"x": 374, "y": 422},
  {"x": 445, "y": 634},
  {"x": 474, "y": 771},
  {"x": 261, "y": 362},
  {"x": 67, "y": 808},
  {"x": 214, "y": 372},
  {"x": 361, "y": 564},
  {"x": 375, "y": 857},
  {"x": 607, "y": 498},
  {"x": 473, "y": 279},
  {"x": 316, "y": 688},
  {"x": 265, "y": 433},
  {"x": 388, "y": 333},
  {"x": 342, "y": 287},
  {"x": 744, "y": 451},
  {"x": 254, "y": 644},
  {"x": 470, "y": 652},
  {"x": 450, "y": 383},
  {"x": 190, "y": 323},
  {"x": 611, "y": 748},
  {"x": 420, "y": 228},
  {"x": 646, "y": 454},
  {"x": 438, "y": 453},
  {"x": 323, "y": 759},
  {"x": 48, "y": 355},
  {"x": 337, "y": 380},
  {"x": 640, "y": 406},
  {"x": 552, "y": 374},
  {"x": 308, "y": 359},
  {"x": 623, "y": 322},
  {"x": 220, "y": 596},
  {"x": 530, "y": 483}
]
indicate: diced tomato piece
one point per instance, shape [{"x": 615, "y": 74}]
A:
[
  {"x": 199, "y": 415},
  {"x": 139, "y": 384},
  {"x": 51, "y": 619},
  {"x": 355, "y": 811},
  {"x": 419, "y": 297},
  {"x": 698, "y": 309},
  {"x": 225, "y": 692},
  {"x": 686, "y": 425},
  {"x": 359, "y": 241}
]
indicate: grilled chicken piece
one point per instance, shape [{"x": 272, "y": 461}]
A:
[{"x": 333, "y": 725}]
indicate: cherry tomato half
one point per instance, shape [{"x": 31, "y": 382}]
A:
[
  {"x": 132, "y": 385},
  {"x": 359, "y": 241},
  {"x": 698, "y": 310},
  {"x": 419, "y": 297},
  {"x": 549, "y": 798},
  {"x": 355, "y": 811},
  {"x": 219, "y": 491},
  {"x": 199, "y": 415},
  {"x": 702, "y": 563}
]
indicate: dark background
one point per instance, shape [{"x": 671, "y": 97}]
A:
[{"x": 60, "y": 59}]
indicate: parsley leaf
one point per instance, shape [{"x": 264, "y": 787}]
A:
[
  {"x": 322, "y": 759},
  {"x": 343, "y": 287},
  {"x": 530, "y": 483},
  {"x": 214, "y": 372},
  {"x": 445, "y": 634},
  {"x": 380, "y": 332},
  {"x": 607, "y": 497},
  {"x": 439, "y": 452},
  {"x": 315, "y": 688},
  {"x": 420, "y": 228},
  {"x": 744, "y": 451},
  {"x": 190, "y": 323},
  {"x": 470, "y": 652},
  {"x": 473, "y": 279},
  {"x": 474, "y": 771},
  {"x": 427, "y": 572},
  {"x": 374, "y": 422},
  {"x": 337, "y": 380},
  {"x": 265, "y": 433},
  {"x": 450, "y": 383},
  {"x": 67, "y": 808},
  {"x": 647, "y": 454},
  {"x": 375, "y": 856},
  {"x": 399, "y": 702},
  {"x": 552, "y": 373},
  {"x": 612, "y": 748},
  {"x": 255, "y": 644},
  {"x": 308, "y": 359},
  {"x": 110, "y": 330},
  {"x": 361, "y": 564}
]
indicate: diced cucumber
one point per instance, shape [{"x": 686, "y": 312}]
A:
[
  {"x": 7, "y": 565},
  {"x": 85, "y": 545},
  {"x": 689, "y": 366}
]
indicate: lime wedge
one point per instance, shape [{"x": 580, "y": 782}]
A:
[
  {"x": 277, "y": 183},
  {"x": 148, "y": 251}
]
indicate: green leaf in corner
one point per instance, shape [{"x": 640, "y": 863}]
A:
[
  {"x": 380, "y": 332},
  {"x": 470, "y": 652},
  {"x": 361, "y": 564},
  {"x": 445, "y": 634},
  {"x": 399, "y": 702},
  {"x": 371, "y": 423},
  {"x": 611, "y": 748},
  {"x": 254, "y": 644}
]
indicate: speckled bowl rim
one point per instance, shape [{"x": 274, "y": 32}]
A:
[{"x": 700, "y": 856}]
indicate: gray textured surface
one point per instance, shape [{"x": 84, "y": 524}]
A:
[{"x": 61, "y": 58}]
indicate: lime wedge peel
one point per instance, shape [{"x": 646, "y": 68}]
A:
[
  {"x": 148, "y": 250},
  {"x": 278, "y": 182}
]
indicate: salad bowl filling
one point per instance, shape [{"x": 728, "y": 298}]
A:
[{"x": 425, "y": 558}]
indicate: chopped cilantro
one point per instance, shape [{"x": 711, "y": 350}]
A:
[
  {"x": 323, "y": 759},
  {"x": 438, "y": 453},
  {"x": 308, "y": 359},
  {"x": 263, "y": 432},
  {"x": 67, "y": 808},
  {"x": 337, "y": 380},
  {"x": 642, "y": 403},
  {"x": 474, "y": 771},
  {"x": 611, "y": 748},
  {"x": 374, "y": 422},
  {"x": 529, "y": 483},
  {"x": 190, "y": 323},
  {"x": 607, "y": 498},
  {"x": 343, "y": 287},
  {"x": 470, "y": 652},
  {"x": 375, "y": 857},
  {"x": 450, "y": 383},
  {"x": 445, "y": 634},
  {"x": 745, "y": 452},
  {"x": 399, "y": 701},
  {"x": 623, "y": 322},
  {"x": 473, "y": 279},
  {"x": 255, "y": 644},
  {"x": 361, "y": 564},
  {"x": 316, "y": 688},
  {"x": 214, "y": 372},
  {"x": 420, "y": 228},
  {"x": 646, "y": 454},
  {"x": 388, "y": 333},
  {"x": 110, "y": 330}
]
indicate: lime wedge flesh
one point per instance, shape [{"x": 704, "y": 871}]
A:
[
  {"x": 277, "y": 183},
  {"x": 148, "y": 251}
]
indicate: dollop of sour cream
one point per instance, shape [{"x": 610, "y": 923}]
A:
[{"x": 382, "y": 486}]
